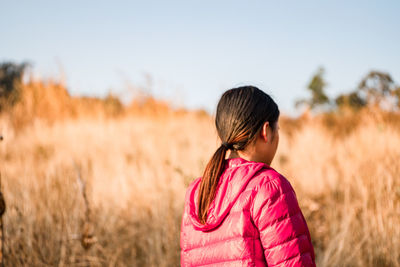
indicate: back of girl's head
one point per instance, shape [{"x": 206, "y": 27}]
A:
[{"x": 241, "y": 113}]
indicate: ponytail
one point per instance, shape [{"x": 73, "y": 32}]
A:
[
  {"x": 209, "y": 181},
  {"x": 241, "y": 112}
]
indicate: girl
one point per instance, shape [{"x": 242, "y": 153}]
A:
[{"x": 242, "y": 212}]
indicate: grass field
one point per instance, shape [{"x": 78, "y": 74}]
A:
[{"x": 89, "y": 183}]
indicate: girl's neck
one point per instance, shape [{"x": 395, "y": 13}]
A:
[
  {"x": 246, "y": 156},
  {"x": 237, "y": 154}
]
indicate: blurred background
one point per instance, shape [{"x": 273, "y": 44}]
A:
[{"x": 106, "y": 116}]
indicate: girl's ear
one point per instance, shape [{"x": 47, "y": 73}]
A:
[{"x": 264, "y": 131}]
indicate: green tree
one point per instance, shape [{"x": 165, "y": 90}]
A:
[
  {"x": 352, "y": 100},
  {"x": 316, "y": 87},
  {"x": 10, "y": 76},
  {"x": 376, "y": 87}
]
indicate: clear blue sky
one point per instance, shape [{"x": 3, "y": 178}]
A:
[{"x": 194, "y": 50}]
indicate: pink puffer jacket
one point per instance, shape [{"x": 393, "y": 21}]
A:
[{"x": 254, "y": 220}]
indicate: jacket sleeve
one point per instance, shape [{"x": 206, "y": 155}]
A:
[{"x": 283, "y": 230}]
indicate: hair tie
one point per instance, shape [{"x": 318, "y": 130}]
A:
[{"x": 227, "y": 146}]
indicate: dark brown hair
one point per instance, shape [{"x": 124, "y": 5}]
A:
[{"x": 241, "y": 113}]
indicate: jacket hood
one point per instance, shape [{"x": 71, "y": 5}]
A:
[{"x": 236, "y": 175}]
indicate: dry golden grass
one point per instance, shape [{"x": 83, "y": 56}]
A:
[
  {"x": 136, "y": 163},
  {"x": 349, "y": 188}
]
